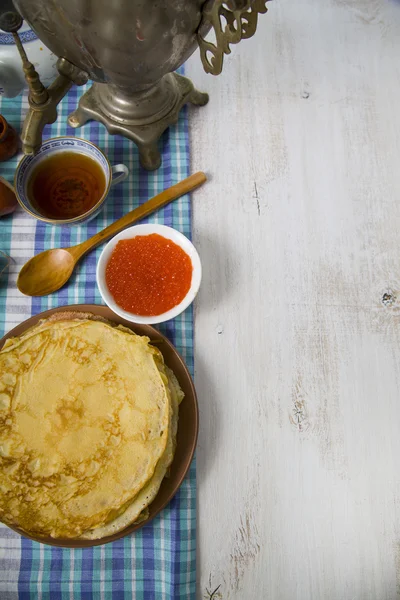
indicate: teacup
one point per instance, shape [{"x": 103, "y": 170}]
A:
[{"x": 30, "y": 165}]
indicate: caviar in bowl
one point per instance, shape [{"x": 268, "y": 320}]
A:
[{"x": 149, "y": 273}]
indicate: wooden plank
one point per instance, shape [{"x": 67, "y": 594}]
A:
[{"x": 297, "y": 321}]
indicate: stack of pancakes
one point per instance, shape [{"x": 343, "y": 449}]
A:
[{"x": 88, "y": 422}]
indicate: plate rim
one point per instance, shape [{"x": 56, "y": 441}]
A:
[{"x": 151, "y": 331}]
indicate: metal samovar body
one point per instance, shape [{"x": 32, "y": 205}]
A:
[{"x": 130, "y": 49}]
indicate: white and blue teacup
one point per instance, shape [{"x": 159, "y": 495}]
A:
[{"x": 113, "y": 174}]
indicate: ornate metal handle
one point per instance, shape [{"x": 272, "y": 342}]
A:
[{"x": 241, "y": 23}]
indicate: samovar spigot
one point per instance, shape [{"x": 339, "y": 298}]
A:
[
  {"x": 42, "y": 101},
  {"x": 11, "y": 22}
]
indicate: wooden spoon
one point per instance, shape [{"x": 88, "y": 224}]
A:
[{"x": 48, "y": 271}]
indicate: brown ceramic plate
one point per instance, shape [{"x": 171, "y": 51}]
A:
[{"x": 188, "y": 418}]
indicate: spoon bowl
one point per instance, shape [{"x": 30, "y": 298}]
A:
[{"x": 46, "y": 273}]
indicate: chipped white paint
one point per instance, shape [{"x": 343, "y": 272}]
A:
[{"x": 298, "y": 317}]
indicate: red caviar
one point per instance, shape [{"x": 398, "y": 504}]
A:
[{"x": 148, "y": 275}]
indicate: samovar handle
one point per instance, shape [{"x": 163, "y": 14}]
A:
[{"x": 232, "y": 21}]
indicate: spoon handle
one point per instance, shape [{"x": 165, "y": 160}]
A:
[{"x": 173, "y": 192}]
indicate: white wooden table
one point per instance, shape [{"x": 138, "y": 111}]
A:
[{"x": 298, "y": 319}]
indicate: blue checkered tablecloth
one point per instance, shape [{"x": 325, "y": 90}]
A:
[{"x": 158, "y": 561}]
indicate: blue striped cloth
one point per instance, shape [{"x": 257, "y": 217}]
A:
[{"x": 158, "y": 561}]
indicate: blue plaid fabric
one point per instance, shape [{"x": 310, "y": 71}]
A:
[{"x": 158, "y": 561}]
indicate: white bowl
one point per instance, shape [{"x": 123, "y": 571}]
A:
[{"x": 170, "y": 234}]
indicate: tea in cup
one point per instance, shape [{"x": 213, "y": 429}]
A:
[{"x": 66, "y": 182}]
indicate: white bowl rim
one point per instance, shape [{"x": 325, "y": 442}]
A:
[{"x": 147, "y": 229}]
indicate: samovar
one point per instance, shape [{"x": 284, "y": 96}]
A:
[{"x": 130, "y": 49}]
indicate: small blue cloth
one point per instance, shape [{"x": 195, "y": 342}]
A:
[{"x": 159, "y": 560}]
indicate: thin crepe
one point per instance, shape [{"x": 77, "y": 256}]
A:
[{"x": 86, "y": 428}]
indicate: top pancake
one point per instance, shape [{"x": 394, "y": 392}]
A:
[{"x": 84, "y": 420}]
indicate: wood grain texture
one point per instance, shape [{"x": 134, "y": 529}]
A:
[{"x": 298, "y": 318}]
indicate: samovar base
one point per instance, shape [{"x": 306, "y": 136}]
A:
[{"x": 142, "y": 117}]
